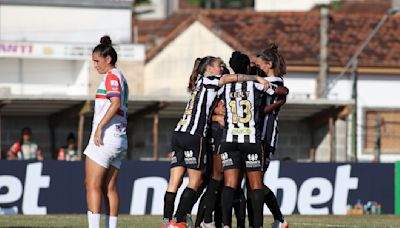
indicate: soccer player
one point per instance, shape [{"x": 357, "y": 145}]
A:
[
  {"x": 241, "y": 143},
  {"x": 108, "y": 142},
  {"x": 272, "y": 63},
  {"x": 188, "y": 137}
]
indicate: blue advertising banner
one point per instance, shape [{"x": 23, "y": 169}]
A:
[{"x": 53, "y": 187}]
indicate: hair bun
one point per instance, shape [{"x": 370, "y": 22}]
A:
[
  {"x": 273, "y": 47},
  {"x": 105, "y": 40}
]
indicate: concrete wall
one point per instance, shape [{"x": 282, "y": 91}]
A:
[
  {"x": 374, "y": 92},
  {"x": 168, "y": 73},
  {"x": 133, "y": 72},
  {"x": 64, "y": 24},
  {"x": 39, "y": 76}
]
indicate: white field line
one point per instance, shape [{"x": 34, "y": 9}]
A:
[{"x": 321, "y": 225}]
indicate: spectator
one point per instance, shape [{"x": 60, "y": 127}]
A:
[
  {"x": 25, "y": 149},
  {"x": 70, "y": 151}
]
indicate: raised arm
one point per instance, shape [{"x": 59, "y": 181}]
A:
[{"x": 229, "y": 78}]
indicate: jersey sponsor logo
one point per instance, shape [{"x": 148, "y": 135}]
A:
[
  {"x": 252, "y": 161},
  {"x": 114, "y": 84},
  {"x": 189, "y": 159},
  {"x": 241, "y": 131},
  {"x": 226, "y": 161}
]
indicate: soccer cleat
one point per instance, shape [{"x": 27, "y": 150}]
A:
[
  {"x": 189, "y": 221},
  {"x": 173, "y": 224},
  {"x": 165, "y": 223},
  {"x": 278, "y": 224},
  {"x": 207, "y": 225}
]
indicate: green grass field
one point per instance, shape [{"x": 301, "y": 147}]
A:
[{"x": 154, "y": 221}]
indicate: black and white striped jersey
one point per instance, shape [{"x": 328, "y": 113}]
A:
[
  {"x": 270, "y": 120},
  {"x": 197, "y": 113},
  {"x": 242, "y": 104}
]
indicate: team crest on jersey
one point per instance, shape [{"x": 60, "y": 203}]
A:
[
  {"x": 114, "y": 84},
  {"x": 253, "y": 161}
]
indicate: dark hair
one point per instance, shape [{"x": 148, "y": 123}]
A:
[
  {"x": 26, "y": 130},
  {"x": 199, "y": 68},
  {"x": 239, "y": 62},
  {"x": 254, "y": 70},
  {"x": 105, "y": 49},
  {"x": 71, "y": 136},
  {"x": 271, "y": 54}
]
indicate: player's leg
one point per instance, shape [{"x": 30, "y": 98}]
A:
[
  {"x": 95, "y": 174},
  {"x": 189, "y": 194},
  {"x": 231, "y": 181},
  {"x": 212, "y": 189},
  {"x": 112, "y": 198},
  {"x": 239, "y": 204},
  {"x": 254, "y": 161},
  {"x": 175, "y": 181}
]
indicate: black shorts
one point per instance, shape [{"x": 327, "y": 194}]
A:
[
  {"x": 238, "y": 155},
  {"x": 188, "y": 151},
  {"x": 214, "y": 137}
]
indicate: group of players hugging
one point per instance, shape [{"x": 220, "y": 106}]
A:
[{"x": 226, "y": 137}]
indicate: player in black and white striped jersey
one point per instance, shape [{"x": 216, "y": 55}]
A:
[
  {"x": 187, "y": 139},
  {"x": 241, "y": 141},
  {"x": 272, "y": 64}
]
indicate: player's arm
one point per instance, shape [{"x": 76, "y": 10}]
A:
[
  {"x": 229, "y": 78},
  {"x": 269, "y": 108},
  {"x": 219, "y": 119},
  {"x": 112, "y": 110},
  {"x": 113, "y": 90}
]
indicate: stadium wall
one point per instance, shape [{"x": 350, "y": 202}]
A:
[{"x": 301, "y": 188}]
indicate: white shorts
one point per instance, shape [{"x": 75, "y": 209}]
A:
[{"x": 106, "y": 155}]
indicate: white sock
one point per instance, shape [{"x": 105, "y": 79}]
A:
[
  {"x": 93, "y": 220},
  {"x": 112, "y": 222}
]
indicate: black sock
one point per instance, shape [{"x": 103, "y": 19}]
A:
[
  {"x": 211, "y": 197},
  {"x": 169, "y": 201},
  {"x": 239, "y": 206},
  {"x": 250, "y": 207},
  {"x": 226, "y": 204},
  {"x": 272, "y": 203},
  {"x": 185, "y": 204},
  {"x": 258, "y": 206},
  {"x": 218, "y": 211},
  {"x": 201, "y": 210}
]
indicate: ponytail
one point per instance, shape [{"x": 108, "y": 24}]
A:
[
  {"x": 193, "y": 76},
  {"x": 200, "y": 65}
]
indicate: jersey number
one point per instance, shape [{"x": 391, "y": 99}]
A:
[
  {"x": 246, "y": 111},
  {"x": 189, "y": 109}
]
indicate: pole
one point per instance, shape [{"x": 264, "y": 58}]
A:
[
  {"x": 323, "y": 62},
  {"x": 377, "y": 147},
  {"x": 354, "y": 112},
  {"x": 389, "y": 13},
  {"x": 155, "y": 136}
]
